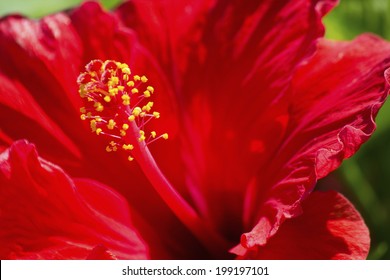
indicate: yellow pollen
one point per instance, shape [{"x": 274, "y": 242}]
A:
[
  {"x": 147, "y": 93},
  {"x": 111, "y": 124},
  {"x": 150, "y": 88},
  {"x": 115, "y": 105},
  {"x": 142, "y": 136},
  {"x": 147, "y": 107},
  {"x": 82, "y": 92},
  {"x": 126, "y": 70},
  {"x": 93, "y": 125},
  {"x": 126, "y": 100},
  {"x": 98, "y": 106},
  {"x": 137, "y": 111},
  {"x": 113, "y": 81},
  {"x": 113, "y": 91},
  {"x": 127, "y": 147},
  {"x": 144, "y": 79}
]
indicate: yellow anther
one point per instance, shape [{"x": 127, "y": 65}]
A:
[
  {"x": 92, "y": 124},
  {"x": 127, "y": 147},
  {"x": 142, "y": 136},
  {"x": 144, "y": 79},
  {"x": 113, "y": 91},
  {"x": 107, "y": 98},
  {"x": 147, "y": 107},
  {"x": 115, "y": 106},
  {"x": 126, "y": 70},
  {"x": 147, "y": 93},
  {"x": 98, "y": 106},
  {"x": 126, "y": 100},
  {"x": 150, "y": 88},
  {"x": 111, "y": 124},
  {"x": 113, "y": 81},
  {"x": 82, "y": 91},
  {"x": 137, "y": 111}
]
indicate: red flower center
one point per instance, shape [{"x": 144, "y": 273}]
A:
[{"x": 117, "y": 106}]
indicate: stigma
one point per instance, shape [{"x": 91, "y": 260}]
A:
[{"x": 117, "y": 105}]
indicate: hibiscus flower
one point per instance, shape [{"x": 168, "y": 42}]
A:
[{"x": 257, "y": 107}]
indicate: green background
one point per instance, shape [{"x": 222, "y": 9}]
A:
[{"x": 365, "y": 178}]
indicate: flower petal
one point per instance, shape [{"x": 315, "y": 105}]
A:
[
  {"x": 38, "y": 89},
  {"x": 40, "y": 96},
  {"x": 331, "y": 114},
  {"x": 47, "y": 215},
  {"x": 329, "y": 228},
  {"x": 235, "y": 91}
]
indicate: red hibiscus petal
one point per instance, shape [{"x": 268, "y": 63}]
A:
[
  {"x": 235, "y": 89},
  {"x": 38, "y": 89},
  {"x": 88, "y": 32},
  {"x": 47, "y": 215},
  {"x": 329, "y": 228},
  {"x": 100, "y": 253},
  {"x": 331, "y": 114}
]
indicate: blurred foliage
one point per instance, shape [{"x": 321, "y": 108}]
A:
[
  {"x": 366, "y": 176},
  {"x": 39, "y": 8}
]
